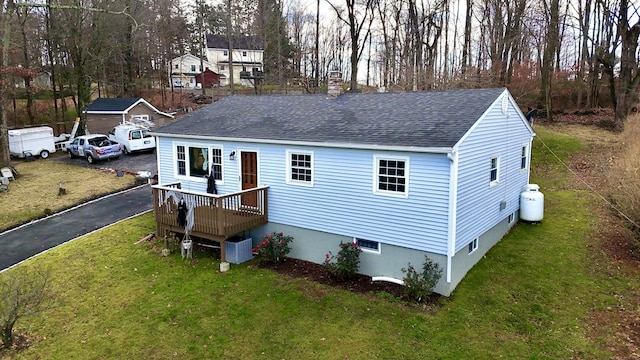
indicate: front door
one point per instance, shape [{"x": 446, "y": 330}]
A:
[{"x": 249, "y": 166}]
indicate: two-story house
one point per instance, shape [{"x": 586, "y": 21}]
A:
[
  {"x": 185, "y": 68},
  {"x": 246, "y": 58}
]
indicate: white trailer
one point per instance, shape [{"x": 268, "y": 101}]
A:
[{"x": 36, "y": 141}]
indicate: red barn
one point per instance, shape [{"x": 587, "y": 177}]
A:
[{"x": 211, "y": 79}]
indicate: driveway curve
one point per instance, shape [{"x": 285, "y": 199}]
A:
[{"x": 26, "y": 241}]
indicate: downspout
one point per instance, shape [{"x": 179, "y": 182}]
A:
[
  {"x": 453, "y": 209},
  {"x": 529, "y": 160}
]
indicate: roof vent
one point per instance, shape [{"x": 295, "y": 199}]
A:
[{"x": 334, "y": 87}]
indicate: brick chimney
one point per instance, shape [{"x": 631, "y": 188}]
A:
[{"x": 334, "y": 86}]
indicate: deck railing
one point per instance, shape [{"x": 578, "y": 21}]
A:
[{"x": 213, "y": 217}]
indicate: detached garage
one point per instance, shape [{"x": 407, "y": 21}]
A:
[{"x": 105, "y": 113}]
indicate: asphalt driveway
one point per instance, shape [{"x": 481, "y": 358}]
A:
[
  {"x": 133, "y": 163},
  {"x": 21, "y": 243}
]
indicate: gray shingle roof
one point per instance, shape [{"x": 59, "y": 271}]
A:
[
  {"x": 249, "y": 42},
  {"x": 413, "y": 119},
  {"x": 111, "y": 104}
]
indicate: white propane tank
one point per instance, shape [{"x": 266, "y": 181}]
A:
[{"x": 531, "y": 203}]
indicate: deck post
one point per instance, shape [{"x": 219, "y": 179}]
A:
[
  {"x": 156, "y": 206},
  {"x": 216, "y": 217}
]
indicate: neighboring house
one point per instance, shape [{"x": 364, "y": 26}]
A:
[
  {"x": 105, "y": 113},
  {"x": 405, "y": 175},
  {"x": 247, "y": 58},
  {"x": 209, "y": 78},
  {"x": 41, "y": 79},
  {"x": 183, "y": 70}
]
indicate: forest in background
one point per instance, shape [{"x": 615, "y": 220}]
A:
[{"x": 553, "y": 55}]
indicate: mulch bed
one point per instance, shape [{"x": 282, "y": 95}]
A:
[{"x": 358, "y": 284}]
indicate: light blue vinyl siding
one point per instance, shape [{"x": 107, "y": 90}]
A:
[
  {"x": 342, "y": 200},
  {"x": 167, "y": 172},
  {"x": 496, "y": 134}
]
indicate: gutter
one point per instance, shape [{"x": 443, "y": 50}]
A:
[{"x": 433, "y": 150}]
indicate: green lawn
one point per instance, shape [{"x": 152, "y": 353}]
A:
[{"x": 530, "y": 298}]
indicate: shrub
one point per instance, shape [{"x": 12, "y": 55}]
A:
[
  {"x": 418, "y": 286},
  {"x": 273, "y": 248},
  {"x": 346, "y": 263},
  {"x": 624, "y": 178},
  {"x": 22, "y": 294}
]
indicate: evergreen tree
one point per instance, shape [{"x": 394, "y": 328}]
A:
[{"x": 271, "y": 25}]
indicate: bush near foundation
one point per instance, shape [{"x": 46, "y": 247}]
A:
[
  {"x": 418, "y": 286},
  {"x": 346, "y": 263}
]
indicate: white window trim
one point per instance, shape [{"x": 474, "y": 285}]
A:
[
  {"x": 200, "y": 145},
  {"x": 528, "y": 157},
  {"x": 144, "y": 117},
  {"x": 376, "y": 171},
  {"x": 497, "y": 180},
  {"x": 512, "y": 218},
  {"x": 367, "y": 250},
  {"x": 475, "y": 245},
  {"x": 288, "y": 167}
]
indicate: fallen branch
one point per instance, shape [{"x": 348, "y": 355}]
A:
[{"x": 146, "y": 238}]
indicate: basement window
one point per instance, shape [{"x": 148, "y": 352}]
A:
[
  {"x": 473, "y": 245},
  {"x": 368, "y": 245}
]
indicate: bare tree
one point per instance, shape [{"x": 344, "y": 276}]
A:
[
  {"x": 628, "y": 84},
  {"x": 466, "y": 47},
  {"x": 22, "y": 294},
  {"x": 551, "y": 44},
  {"x": 6, "y": 16},
  {"x": 358, "y": 15}
]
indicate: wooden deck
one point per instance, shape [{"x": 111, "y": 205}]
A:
[{"x": 211, "y": 217}]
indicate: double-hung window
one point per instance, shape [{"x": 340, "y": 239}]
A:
[
  {"x": 494, "y": 174},
  {"x": 391, "y": 175},
  {"x": 523, "y": 158},
  {"x": 300, "y": 167},
  {"x": 198, "y": 161}
]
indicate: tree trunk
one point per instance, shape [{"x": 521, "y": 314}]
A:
[
  {"x": 27, "y": 65},
  {"x": 466, "y": 48},
  {"x": 6, "y": 334},
  {"x": 230, "y": 47},
  {"x": 629, "y": 78},
  {"x": 5, "y": 158},
  {"x": 552, "y": 11},
  {"x": 52, "y": 63}
]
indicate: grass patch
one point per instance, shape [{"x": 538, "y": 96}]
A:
[
  {"x": 549, "y": 151},
  {"x": 35, "y": 192},
  {"x": 531, "y": 297}
]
